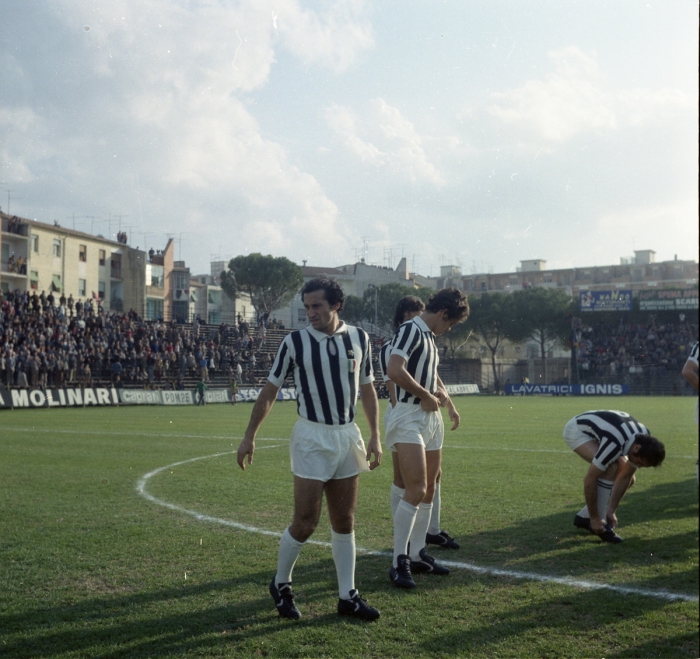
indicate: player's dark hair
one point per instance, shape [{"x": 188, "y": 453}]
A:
[
  {"x": 331, "y": 290},
  {"x": 405, "y": 305},
  {"x": 650, "y": 449},
  {"x": 450, "y": 300}
]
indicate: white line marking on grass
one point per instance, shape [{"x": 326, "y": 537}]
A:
[
  {"x": 131, "y": 434},
  {"x": 281, "y": 439},
  {"x": 497, "y": 572},
  {"x": 541, "y": 450}
]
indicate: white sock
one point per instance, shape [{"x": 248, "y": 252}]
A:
[
  {"x": 404, "y": 519},
  {"x": 396, "y": 497},
  {"x": 343, "y": 546},
  {"x": 583, "y": 512},
  {"x": 604, "y": 492},
  {"x": 420, "y": 528},
  {"x": 434, "y": 527},
  {"x": 287, "y": 557}
]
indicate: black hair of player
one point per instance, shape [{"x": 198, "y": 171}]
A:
[
  {"x": 331, "y": 290},
  {"x": 450, "y": 300},
  {"x": 407, "y": 304},
  {"x": 652, "y": 450}
]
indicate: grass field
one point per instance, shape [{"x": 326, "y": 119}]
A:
[{"x": 93, "y": 567}]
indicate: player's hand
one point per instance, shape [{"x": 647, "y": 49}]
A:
[
  {"x": 374, "y": 447},
  {"x": 430, "y": 403},
  {"x": 454, "y": 417},
  {"x": 442, "y": 396},
  {"x": 612, "y": 519},
  {"x": 598, "y": 526},
  {"x": 247, "y": 447}
]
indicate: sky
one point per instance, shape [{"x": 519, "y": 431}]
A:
[{"x": 457, "y": 132}]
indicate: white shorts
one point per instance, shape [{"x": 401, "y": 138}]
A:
[
  {"x": 322, "y": 453},
  {"x": 411, "y": 424},
  {"x": 575, "y": 436},
  {"x": 387, "y": 416}
]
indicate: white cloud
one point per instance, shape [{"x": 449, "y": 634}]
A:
[
  {"x": 564, "y": 104},
  {"x": 164, "y": 88},
  {"x": 383, "y": 137}
]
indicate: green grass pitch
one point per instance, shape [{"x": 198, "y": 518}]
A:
[{"x": 91, "y": 568}]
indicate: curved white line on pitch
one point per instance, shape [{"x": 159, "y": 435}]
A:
[{"x": 531, "y": 576}]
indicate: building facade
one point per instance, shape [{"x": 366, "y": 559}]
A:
[{"x": 45, "y": 257}]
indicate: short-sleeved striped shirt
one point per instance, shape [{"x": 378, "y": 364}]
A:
[
  {"x": 614, "y": 430},
  {"x": 693, "y": 356},
  {"x": 327, "y": 371},
  {"x": 415, "y": 342}
]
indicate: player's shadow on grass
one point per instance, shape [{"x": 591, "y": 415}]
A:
[
  {"x": 553, "y": 623},
  {"x": 551, "y": 545},
  {"x": 173, "y": 621}
]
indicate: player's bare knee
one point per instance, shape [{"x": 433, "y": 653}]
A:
[{"x": 415, "y": 493}]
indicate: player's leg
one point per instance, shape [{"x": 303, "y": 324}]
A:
[
  {"x": 397, "y": 487},
  {"x": 421, "y": 561},
  {"x": 307, "y": 511},
  {"x": 588, "y": 451},
  {"x": 413, "y": 468},
  {"x": 341, "y": 497}
]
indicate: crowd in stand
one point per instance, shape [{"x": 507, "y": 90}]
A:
[
  {"x": 51, "y": 343},
  {"x": 634, "y": 347}
]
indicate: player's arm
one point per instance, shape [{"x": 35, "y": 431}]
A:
[
  {"x": 262, "y": 407},
  {"x": 623, "y": 481},
  {"x": 445, "y": 401},
  {"x": 396, "y": 370},
  {"x": 690, "y": 373},
  {"x": 370, "y": 406},
  {"x": 590, "y": 491}
]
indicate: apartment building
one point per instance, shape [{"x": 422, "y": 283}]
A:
[{"x": 49, "y": 257}]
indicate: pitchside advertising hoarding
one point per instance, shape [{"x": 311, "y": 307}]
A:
[
  {"x": 567, "y": 389},
  {"x": 606, "y": 301},
  {"x": 100, "y": 396},
  {"x": 670, "y": 299}
]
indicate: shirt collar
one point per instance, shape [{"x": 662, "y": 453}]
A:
[
  {"x": 421, "y": 324},
  {"x": 319, "y": 336}
]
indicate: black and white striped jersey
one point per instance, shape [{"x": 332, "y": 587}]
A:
[
  {"x": 384, "y": 353},
  {"x": 693, "y": 356},
  {"x": 614, "y": 430},
  {"x": 327, "y": 371},
  {"x": 415, "y": 342}
]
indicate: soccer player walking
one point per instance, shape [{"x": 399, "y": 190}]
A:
[
  {"x": 615, "y": 444},
  {"x": 330, "y": 361},
  {"x": 415, "y": 429}
]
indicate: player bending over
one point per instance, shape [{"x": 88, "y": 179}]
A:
[
  {"x": 415, "y": 429},
  {"x": 330, "y": 361},
  {"x": 615, "y": 444},
  {"x": 409, "y": 307}
]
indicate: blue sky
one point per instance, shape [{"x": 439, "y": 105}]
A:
[{"x": 469, "y": 133}]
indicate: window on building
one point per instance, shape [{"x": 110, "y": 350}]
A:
[
  {"x": 547, "y": 278},
  {"x": 56, "y": 284},
  {"x": 35, "y": 243},
  {"x": 82, "y": 253},
  {"x": 101, "y": 290},
  {"x": 33, "y": 279},
  {"x": 103, "y": 257},
  {"x": 82, "y": 287},
  {"x": 56, "y": 247}
]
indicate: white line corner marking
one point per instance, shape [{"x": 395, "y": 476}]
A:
[{"x": 531, "y": 576}]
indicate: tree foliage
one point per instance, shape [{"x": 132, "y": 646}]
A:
[
  {"x": 271, "y": 282},
  {"x": 492, "y": 319},
  {"x": 379, "y": 302},
  {"x": 541, "y": 314}
]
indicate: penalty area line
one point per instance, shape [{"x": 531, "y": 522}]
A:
[{"x": 491, "y": 571}]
